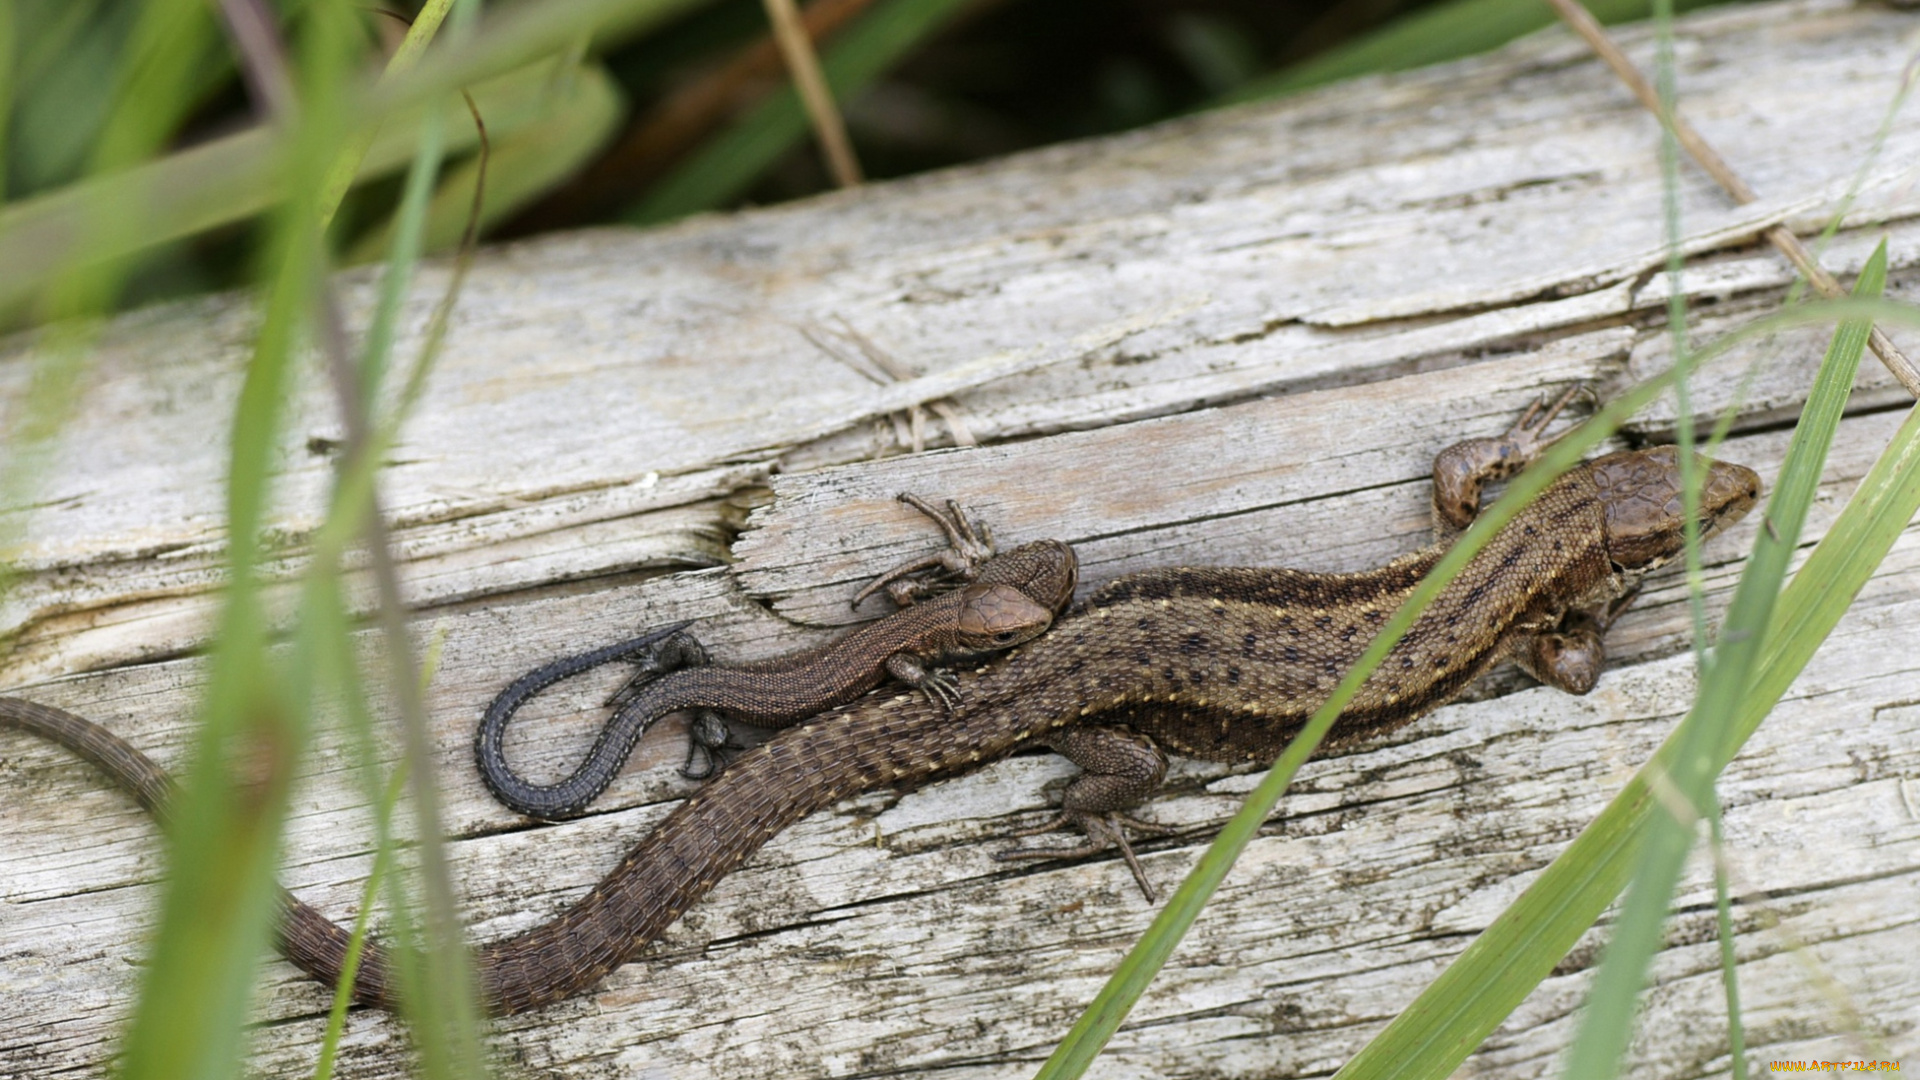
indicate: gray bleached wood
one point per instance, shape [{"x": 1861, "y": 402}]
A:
[{"x": 1388, "y": 266}]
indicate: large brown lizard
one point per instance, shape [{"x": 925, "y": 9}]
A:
[
  {"x": 987, "y": 613},
  {"x": 1220, "y": 663}
]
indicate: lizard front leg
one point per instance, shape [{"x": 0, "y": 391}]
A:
[
  {"x": 1122, "y": 768},
  {"x": 708, "y": 736},
  {"x": 937, "y": 683},
  {"x": 1463, "y": 469}
]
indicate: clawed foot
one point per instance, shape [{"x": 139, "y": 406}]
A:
[
  {"x": 1528, "y": 433},
  {"x": 969, "y": 544},
  {"x": 940, "y": 685},
  {"x": 1102, "y": 830},
  {"x": 671, "y": 653},
  {"x": 708, "y": 740}
]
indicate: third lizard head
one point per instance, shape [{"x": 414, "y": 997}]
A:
[
  {"x": 1641, "y": 492},
  {"x": 1017, "y": 595}
]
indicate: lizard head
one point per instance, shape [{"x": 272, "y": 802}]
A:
[
  {"x": 996, "y": 617},
  {"x": 1017, "y": 595},
  {"x": 1641, "y": 492}
]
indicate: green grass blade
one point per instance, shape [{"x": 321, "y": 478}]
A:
[
  {"x": 1137, "y": 969},
  {"x": 219, "y": 899},
  {"x": 1431, "y": 35},
  {"x": 436, "y": 996},
  {"x": 1729, "y": 963},
  {"x": 720, "y": 171},
  {"x": 9, "y": 45},
  {"x": 1608, "y": 1022},
  {"x": 1834, "y": 573},
  {"x": 347, "y": 164},
  {"x": 403, "y": 246},
  {"x": 356, "y": 943},
  {"x": 243, "y": 175},
  {"x": 582, "y": 108},
  {"x": 1434, "y": 1034}
]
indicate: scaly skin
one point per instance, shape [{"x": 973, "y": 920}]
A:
[
  {"x": 1218, "y": 663},
  {"x": 989, "y": 615}
]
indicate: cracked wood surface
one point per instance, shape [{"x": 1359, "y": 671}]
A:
[{"x": 1386, "y": 267}]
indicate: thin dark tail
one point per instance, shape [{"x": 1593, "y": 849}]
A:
[
  {"x": 676, "y": 864},
  {"x": 568, "y": 797}
]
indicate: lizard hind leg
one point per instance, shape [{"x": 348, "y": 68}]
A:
[
  {"x": 1122, "y": 770},
  {"x": 708, "y": 739},
  {"x": 671, "y": 653}
]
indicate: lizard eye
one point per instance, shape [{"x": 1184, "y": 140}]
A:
[{"x": 1004, "y": 635}]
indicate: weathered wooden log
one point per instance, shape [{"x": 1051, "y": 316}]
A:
[{"x": 1233, "y": 339}]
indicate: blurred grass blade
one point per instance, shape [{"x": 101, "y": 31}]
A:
[
  {"x": 242, "y": 175},
  {"x": 346, "y": 166},
  {"x": 581, "y": 109},
  {"x": 728, "y": 164},
  {"x": 404, "y": 252},
  {"x": 357, "y": 940},
  {"x": 236, "y": 177},
  {"x": 1729, "y": 962},
  {"x": 160, "y": 68},
  {"x": 1430, "y": 35},
  {"x": 438, "y": 990},
  {"x": 8, "y": 48},
  {"x": 219, "y": 899},
  {"x": 1431, "y": 1037},
  {"x": 1608, "y": 1022},
  {"x": 803, "y": 67},
  {"x": 154, "y": 88}
]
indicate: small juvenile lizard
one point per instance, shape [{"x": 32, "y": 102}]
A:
[
  {"x": 1220, "y": 663},
  {"x": 988, "y": 613}
]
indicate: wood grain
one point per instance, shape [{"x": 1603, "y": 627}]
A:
[{"x": 1387, "y": 266}]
